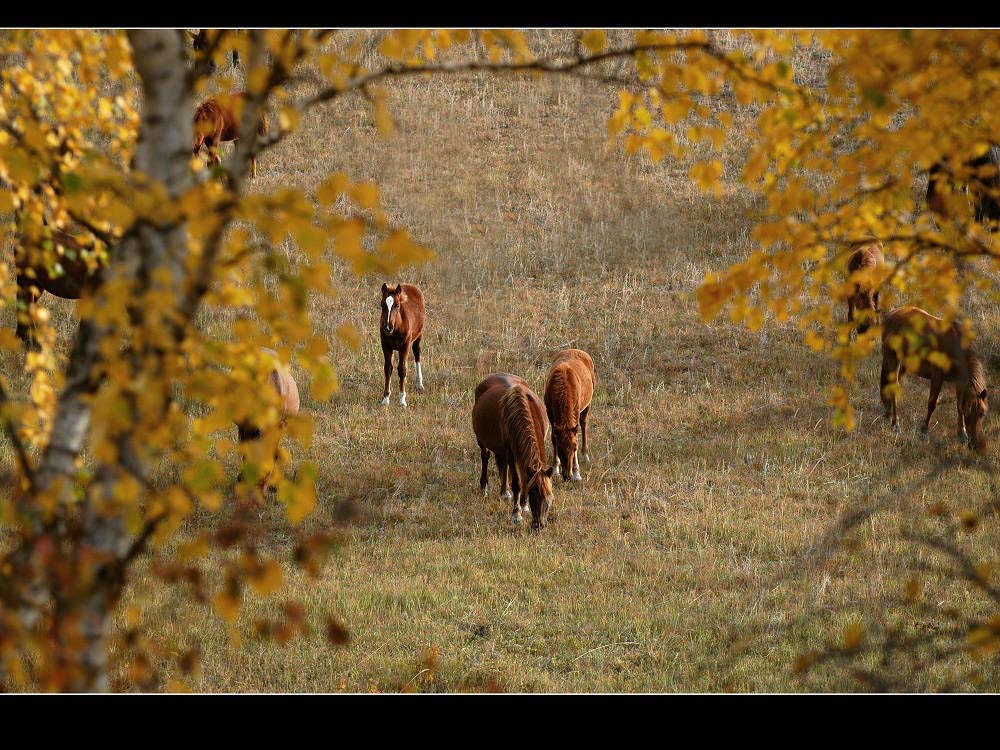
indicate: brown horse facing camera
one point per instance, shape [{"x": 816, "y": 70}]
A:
[
  {"x": 509, "y": 422},
  {"x": 216, "y": 122},
  {"x": 864, "y": 299},
  {"x": 281, "y": 380},
  {"x": 75, "y": 277},
  {"x": 568, "y": 392},
  {"x": 914, "y": 331},
  {"x": 400, "y": 328}
]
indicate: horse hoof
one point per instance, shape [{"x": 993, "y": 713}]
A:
[
  {"x": 586, "y": 458},
  {"x": 402, "y": 401},
  {"x": 420, "y": 386},
  {"x": 482, "y": 487},
  {"x": 508, "y": 495},
  {"x": 516, "y": 519},
  {"x": 385, "y": 401},
  {"x": 963, "y": 438},
  {"x": 577, "y": 478}
]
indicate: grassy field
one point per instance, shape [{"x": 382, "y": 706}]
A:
[{"x": 700, "y": 552}]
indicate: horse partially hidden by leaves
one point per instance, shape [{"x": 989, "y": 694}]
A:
[
  {"x": 982, "y": 187},
  {"x": 569, "y": 390},
  {"x": 280, "y": 379},
  {"x": 216, "y": 121},
  {"x": 509, "y": 422},
  {"x": 200, "y": 44},
  {"x": 916, "y": 342},
  {"x": 864, "y": 257},
  {"x": 76, "y": 273},
  {"x": 401, "y": 327}
]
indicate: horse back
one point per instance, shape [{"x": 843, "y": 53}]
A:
[
  {"x": 581, "y": 370},
  {"x": 931, "y": 332},
  {"x": 413, "y": 307}
]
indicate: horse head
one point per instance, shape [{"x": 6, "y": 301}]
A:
[
  {"x": 392, "y": 300},
  {"x": 539, "y": 491}
]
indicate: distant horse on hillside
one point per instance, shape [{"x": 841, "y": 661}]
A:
[
  {"x": 401, "y": 327},
  {"x": 199, "y": 41},
  {"x": 911, "y": 331},
  {"x": 280, "y": 379},
  {"x": 215, "y": 122},
  {"x": 509, "y": 421},
  {"x": 569, "y": 389},
  {"x": 983, "y": 191},
  {"x": 864, "y": 256},
  {"x": 70, "y": 279}
]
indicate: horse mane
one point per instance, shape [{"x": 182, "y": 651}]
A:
[
  {"x": 208, "y": 110},
  {"x": 517, "y": 425},
  {"x": 977, "y": 376},
  {"x": 564, "y": 413}
]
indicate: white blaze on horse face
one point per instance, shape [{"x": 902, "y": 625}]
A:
[{"x": 388, "y": 313}]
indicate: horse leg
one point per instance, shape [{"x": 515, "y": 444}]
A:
[
  {"x": 555, "y": 453},
  {"x": 936, "y": 381},
  {"x": 485, "y": 456},
  {"x": 889, "y": 376},
  {"x": 253, "y": 166},
  {"x": 963, "y": 436},
  {"x": 575, "y": 460},
  {"x": 25, "y": 299},
  {"x": 503, "y": 472},
  {"x": 387, "y": 353},
  {"x": 583, "y": 432},
  {"x": 416, "y": 358},
  {"x": 404, "y": 352}
]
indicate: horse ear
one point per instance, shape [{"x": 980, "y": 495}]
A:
[
  {"x": 983, "y": 395},
  {"x": 385, "y": 289}
]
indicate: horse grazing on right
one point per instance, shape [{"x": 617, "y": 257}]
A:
[
  {"x": 864, "y": 299},
  {"x": 509, "y": 422},
  {"x": 569, "y": 389},
  {"x": 909, "y": 331},
  {"x": 401, "y": 328},
  {"x": 215, "y": 122}
]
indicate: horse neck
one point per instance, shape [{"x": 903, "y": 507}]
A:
[{"x": 520, "y": 428}]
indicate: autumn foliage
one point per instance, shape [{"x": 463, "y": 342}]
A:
[{"x": 122, "y": 439}]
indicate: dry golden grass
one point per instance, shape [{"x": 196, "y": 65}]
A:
[{"x": 715, "y": 472}]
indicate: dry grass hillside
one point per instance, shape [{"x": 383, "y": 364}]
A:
[{"x": 703, "y": 521}]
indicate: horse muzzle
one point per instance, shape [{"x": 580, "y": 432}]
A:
[{"x": 388, "y": 330}]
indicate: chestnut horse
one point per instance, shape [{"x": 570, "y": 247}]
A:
[
  {"x": 568, "y": 392},
  {"x": 400, "y": 328},
  {"x": 909, "y": 331},
  {"x": 215, "y": 122},
  {"x": 281, "y": 380},
  {"x": 71, "y": 280},
  {"x": 864, "y": 256},
  {"x": 509, "y": 421}
]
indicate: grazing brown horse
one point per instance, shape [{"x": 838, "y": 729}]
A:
[
  {"x": 909, "y": 331},
  {"x": 280, "y": 378},
  {"x": 71, "y": 279},
  {"x": 509, "y": 421},
  {"x": 215, "y": 122},
  {"x": 400, "y": 328},
  {"x": 864, "y": 256},
  {"x": 568, "y": 392}
]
